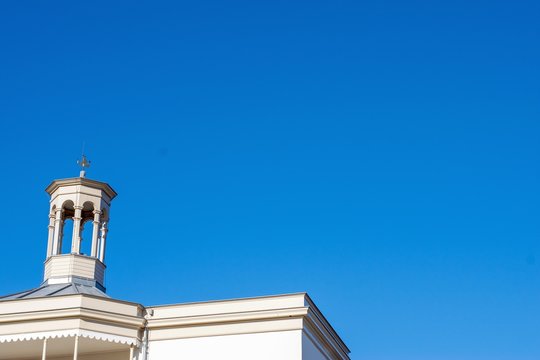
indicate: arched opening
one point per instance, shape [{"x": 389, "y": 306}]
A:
[
  {"x": 87, "y": 228},
  {"x": 86, "y": 237},
  {"x": 66, "y": 230}
]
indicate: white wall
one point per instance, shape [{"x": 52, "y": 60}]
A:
[{"x": 283, "y": 345}]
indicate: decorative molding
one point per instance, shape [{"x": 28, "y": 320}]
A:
[
  {"x": 71, "y": 333},
  {"x": 215, "y": 319}
]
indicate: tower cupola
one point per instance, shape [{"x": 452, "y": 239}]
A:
[{"x": 86, "y": 202}]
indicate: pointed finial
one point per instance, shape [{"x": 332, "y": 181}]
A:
[{"x": 83, "y": 163}]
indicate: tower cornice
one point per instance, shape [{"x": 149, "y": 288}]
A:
[{"x": 81, "y": 181}]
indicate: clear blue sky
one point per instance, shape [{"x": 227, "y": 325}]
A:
[{"x": 382, "y": 156}]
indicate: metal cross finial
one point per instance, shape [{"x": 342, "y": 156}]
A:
[{"x": 83, "y": 163}]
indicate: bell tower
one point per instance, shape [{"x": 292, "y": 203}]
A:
[{"x": 87, "y": 203}]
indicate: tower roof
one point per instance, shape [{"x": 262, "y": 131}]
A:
[
  {"x": 56, "y": 290},
  {"x": 81, "y": 181}
]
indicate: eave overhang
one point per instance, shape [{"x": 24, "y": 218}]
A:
[{"x": 78, "y": 314}]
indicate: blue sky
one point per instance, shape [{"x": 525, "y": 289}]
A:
[{"x": 382, "y": 156}]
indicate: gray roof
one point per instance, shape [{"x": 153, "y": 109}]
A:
[{"x": 56, "y": 290}]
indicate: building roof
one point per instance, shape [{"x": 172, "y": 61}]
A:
[{"x": 56, "y": 290}]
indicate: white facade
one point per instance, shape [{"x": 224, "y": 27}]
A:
[
  {"x": 284, "y": 345},
  {"x": 70, "y": 317}
]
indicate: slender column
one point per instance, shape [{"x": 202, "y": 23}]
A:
[
  {"x": 76, "y": 238},
  {"x": 61, "y": 235},
  {"x": 51, "y": 235},
  {"x": 44, "y": 352},
  {"x": 102, "y": 241},
  {"x": 81, "y": 239},
  {"x": 131, "y": 352},
  {"x": 95, "y": 233},
  {"x": 57, "y": 232},
  {"x": 76, "y": 349}
]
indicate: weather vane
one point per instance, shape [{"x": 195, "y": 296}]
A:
[{"x": 83, "y": 163}]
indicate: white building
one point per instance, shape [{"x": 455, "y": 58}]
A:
[{"x": 69, "y": 316}]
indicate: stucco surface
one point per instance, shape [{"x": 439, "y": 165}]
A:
[{"x": 285, "y": 345}]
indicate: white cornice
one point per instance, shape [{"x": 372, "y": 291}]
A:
[
  {"x": 229, "y": 301},
  {"x": 237, "y": 317},
  {"x": 84, "y": 307},
  {"x": 81, "y": 181}
]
